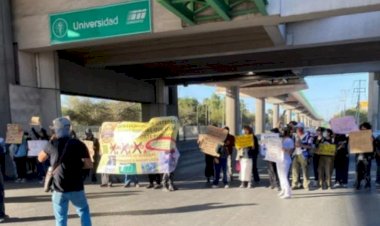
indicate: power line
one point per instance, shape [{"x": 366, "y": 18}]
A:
[{"x": 358, "y": 90}]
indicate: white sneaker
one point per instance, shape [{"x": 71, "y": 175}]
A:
[
  {"x": 23, "y": 180},
  {"x": 249, "y": 186},
  {"x": 336, "y": 185},
  {"x": 285, "y": 197},
  {"x": 281, "y": 193},
  {"x": 226, "y": 186},
  {"x": 214, "y": 186}
]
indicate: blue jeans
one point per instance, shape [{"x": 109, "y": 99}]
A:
[
  {"x": 222, "y": 165},
  {"x": 61, "y": 206},
  {"x": 130, "y": 178}
]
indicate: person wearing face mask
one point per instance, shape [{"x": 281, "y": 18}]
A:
[
  {"x": 245, "y": 156},
  {"x": 318, "y": 139},
  {"x": 301, "y": 155},
  {"x": 326, "y": 163},
  {"x": 363, "y": 163}
]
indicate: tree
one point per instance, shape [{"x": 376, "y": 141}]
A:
[
  {"x": 92, "y": 112},
  {"x": 247, "y": 117},
  {"x": 187, "y": 110},
  {"x": 363, "y": 115}
]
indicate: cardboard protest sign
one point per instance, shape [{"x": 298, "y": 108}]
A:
[
  {"x": 361, "y": 142},
  {"x": 344, "y": 125},
  {"x": 14, "y": 134},
  {"x": 90, "y": 147},
  {"x": 35, "y": 121},
  {"x": 271, "y": 143},
  {"x": 36, "y": 146},
  {"x": 208, "y": 143},
  {"x": 244, "y": 141},
  {"x": 138, "y": 147},
  {"x": 326, "y": 149}
]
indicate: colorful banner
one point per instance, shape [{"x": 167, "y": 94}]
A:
[
  {"x": 361, "y": 142},
  {"x": 344, "y": 125},
  {"x": 90, "y": 147},
  {"x": 209, "y": 142},
  {"x": 14, "y": 134},
  {"x": 244, "y": 141},
  {"x": 138, "y": 147},
  {"x": 36, "y": 146},
  {"x": 271, "y": 143},
  {"x": 326, "y": 149}
]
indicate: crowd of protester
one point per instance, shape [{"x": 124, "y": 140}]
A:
[{"x": 300, "y": 156}]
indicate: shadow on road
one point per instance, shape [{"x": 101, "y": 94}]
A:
[
  {"x": 47, "y": 198},
  {"x": 174, "y": 210}
]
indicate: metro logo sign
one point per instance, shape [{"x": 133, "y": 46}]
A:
[{"x": 101, "y": 22}]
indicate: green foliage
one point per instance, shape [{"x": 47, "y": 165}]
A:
[
  {"x": 363, "y": 115},
  {"x": 86, "y": 111}
]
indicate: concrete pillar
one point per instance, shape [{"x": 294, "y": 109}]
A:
[
  {"x": 298, "y": 117},
  {"x": 232, "y": 110},
  {"x": 172, "y": 109},
  {"x": 374, "y": 100},
  {"x": 260, "y": 116},
  {"x": 288, "y": 116},
  {"x": 159, "y": 107},
  {"x": 38, "y": 93},
  {"x": 7, "y": 66},
  {"x": 276, "y": 115}
]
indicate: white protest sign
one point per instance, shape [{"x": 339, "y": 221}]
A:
[
  {"x": 36, "y": 146},
  {"x": 344, "y": 125},
  {"x": 272, "y": 145}
]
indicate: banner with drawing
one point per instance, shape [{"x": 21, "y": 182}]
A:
[
  {"x": 344, "y": 125},
  {"x": 139, "y": 147},
  {"x": 272, "y": 145},
  {"x": 209, "y": 142}
]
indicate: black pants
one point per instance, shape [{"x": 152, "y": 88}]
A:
[
  {"x": 21, "y": 166},
  {"x": 209, "y": 169},
  {"x": 2, "y": 164},
  {"x": 154, "y": 177},
  {"x": 341, "y": 169},
  {"x": 2, "y": 206},
  {"x": 273, "y": 176},
  {"x": 255, "y": 172},
  {"x": 363, "y": 172},
  {"x": 315, "y": 166}
]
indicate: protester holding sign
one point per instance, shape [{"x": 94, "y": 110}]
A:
[
  {"x": 95, "y": 154},
  {"x": 283, "y": 167},
  {"x": 230, "y": 145},
  {"x": 301, "y": 157},
  {"x": 245, "y": 156},
  {"x": 272, "y": 168},
  {"x": 341, "y": 161},
  {"x": 364, "y": 162},
  {"x": 326, "y": 160},
  {"x": 20, "y": 158},
  {"x": 220, "y": 164},
  {"x": 318, "y": 139}
]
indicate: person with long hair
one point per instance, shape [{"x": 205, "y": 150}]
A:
[
  {"x": 326, "y": 163},
  {"x": 284, "y": 166},
  {"x": 245, "y": 156},
  {"x": 341, "y": 161}
]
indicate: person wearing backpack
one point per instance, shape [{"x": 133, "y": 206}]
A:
[{"x": 68, "y": 157}]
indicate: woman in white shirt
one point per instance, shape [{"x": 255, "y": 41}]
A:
[{"x": 284, "y": 166}]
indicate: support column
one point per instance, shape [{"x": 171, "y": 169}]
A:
[
  {"x": 159, "y": 108},
  {"x": 232, "y": 110},
  {"x": 288, "y": 116},
  {"x": 276, "y": 115},
  {"x": 172, "y": 109},
  {"x": 7, "y": 66},
  {"x": 260, "y": 116},
  {"x": 374, "y": 100},
  {"x": 298, "y": 117}
]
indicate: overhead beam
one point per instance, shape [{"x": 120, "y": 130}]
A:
[
  {"x": 182, "y": 13},
  {"x": 261, "y": 7},
  {"x": 221, "y": 8}
]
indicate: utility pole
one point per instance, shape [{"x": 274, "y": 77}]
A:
[
  {"x": 344, "y": 93},
  {"x": 359, "y": 89}
]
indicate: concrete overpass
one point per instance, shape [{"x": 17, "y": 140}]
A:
[{"x": 271, "y": 39}]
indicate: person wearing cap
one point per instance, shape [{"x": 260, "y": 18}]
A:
[
  {"x": 318, "y": 139},
  {"x": 68, "y": 157},
  {"x": 301, "y": 155},
  {"x": 90, "y": 137}
]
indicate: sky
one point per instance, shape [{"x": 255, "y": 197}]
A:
[{"x": 326, "y": 93}]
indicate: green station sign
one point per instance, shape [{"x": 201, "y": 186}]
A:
[{"x": 101, "y": 22}]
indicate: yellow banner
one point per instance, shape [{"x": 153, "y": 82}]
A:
[
  {"x": 139, "y": 147},
  {"x": 244, "y": 141},
  {"x": 326, "y": 149}
]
